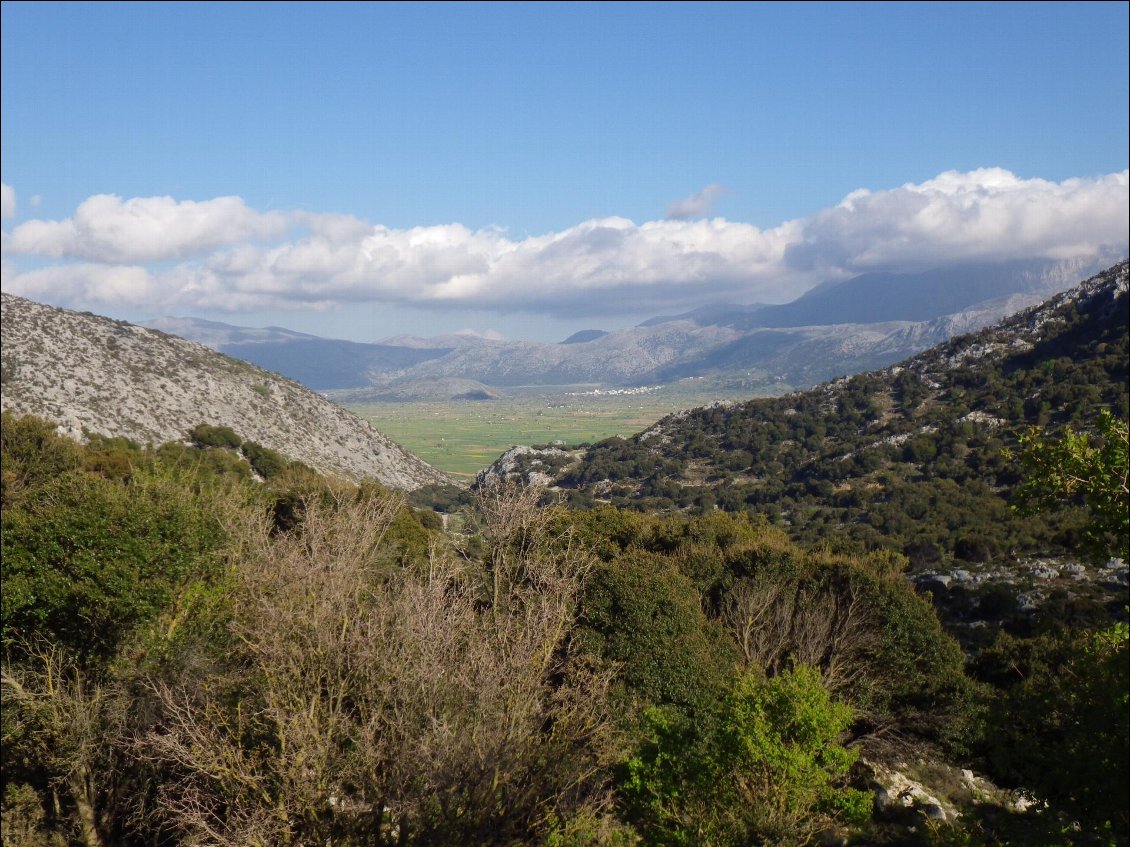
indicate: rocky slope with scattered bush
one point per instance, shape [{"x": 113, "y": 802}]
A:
[
  {"x": 913, "y": 456},
  {"x": 90, "y": 374}
]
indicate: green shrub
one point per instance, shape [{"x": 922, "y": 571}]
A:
[
  {"x": 645, "y": 617},
  {"x": 1061, "y": 727},
  {"x": 205, "y": 435},
  {"x": 32, "y": 455},
  {"x": 92, "y": 558},
  {"x": 767, "y": 770},
  {"x": 879, "y": 645},
  {"x": 265, "y": 461}
]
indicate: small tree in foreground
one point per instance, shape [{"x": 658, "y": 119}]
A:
[
  {"x": 1063, "y": 728},
  {"x": 1080, "y": 465},
  {"x": 768, "y": 770},
  {"x": 65, "y": 730}
]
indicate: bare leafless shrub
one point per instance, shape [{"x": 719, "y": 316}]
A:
[
  {"x": 777, "y": 622},
  {"x": 359, "y": 706}
]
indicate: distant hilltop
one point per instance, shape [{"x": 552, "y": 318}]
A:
[
  {"x": 585, "y": 335},
  {"x": 914, "y": 449}
]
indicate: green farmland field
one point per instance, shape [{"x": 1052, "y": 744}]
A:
[{"x": 463, "y": 436}]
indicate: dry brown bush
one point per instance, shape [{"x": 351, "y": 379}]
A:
[
  {"x": 441, "y": 705},
  {"x": 777, "y": 622}
]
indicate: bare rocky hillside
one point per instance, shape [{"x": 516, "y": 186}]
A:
[{"x": 113, "y": 378}]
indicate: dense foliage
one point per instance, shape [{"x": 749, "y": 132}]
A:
[
  {"x": 767, "y": 769},
  {"x": 193, "y": 653},
  {"x": 1080, "y": 466},
  {"x": 1060, "y": 723}
]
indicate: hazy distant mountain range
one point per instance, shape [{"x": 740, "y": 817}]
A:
[
  {"x": 93, "y": 374},
  {"x": 318, "y": 363},
  {"x": 835, "y": 329}
]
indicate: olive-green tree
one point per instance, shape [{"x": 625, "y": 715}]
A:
[
  {"x": 1062, "y": 727},
  {"x": 1081, "y": 465},
  {"x": 767, "y": 770}
]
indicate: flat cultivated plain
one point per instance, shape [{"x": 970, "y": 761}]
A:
[{"x": 461, "y": 437}]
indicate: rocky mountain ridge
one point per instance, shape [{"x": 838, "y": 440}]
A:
[
  {"x": 860, "y": 324},
  {"x": 89, "y": 373}
]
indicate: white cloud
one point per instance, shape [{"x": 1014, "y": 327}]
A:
[
  {"x": 697, "y": 205},
  {"x": 147, "y": 229},
  {"x": 7, "y": 201},
  {"x": 156, "y": 254},
  {"x": 987, "y": 214},
  {"x": 81, "y": 285}
]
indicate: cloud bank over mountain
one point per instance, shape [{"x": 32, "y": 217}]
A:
[{"x": 163, "y": 255}]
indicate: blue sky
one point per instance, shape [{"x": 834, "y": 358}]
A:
[{"x": 425, "y": 168}]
